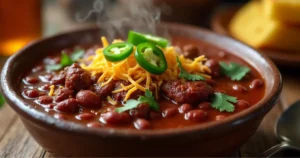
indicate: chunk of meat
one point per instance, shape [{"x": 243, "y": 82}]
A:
[
  {"x": 190, "y": 51},
  {"x": 88, "y": 99},
  {"x": 63, "y": 94},
  {"x": 187, "y": 92},
  {"x": 77, "y": 78},
  {"x": 214, "y": 67}
]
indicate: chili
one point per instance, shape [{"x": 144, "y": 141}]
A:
[
  {"x": 118, "y": 51},
  {"x": 138, "y": 38},
  {"x": 151, "y": 58}
]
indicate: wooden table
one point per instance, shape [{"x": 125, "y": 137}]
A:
[{"x": 15, "y": 141}]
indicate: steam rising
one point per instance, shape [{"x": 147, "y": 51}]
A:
[{"x": 117, "y": 17}]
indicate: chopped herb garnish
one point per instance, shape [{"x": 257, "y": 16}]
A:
[
  {"x": 2, "y": 100},
  {"x": 185, "y": 75},
  {"x": 150, "y": 100},
  {"x": 223, "y": 102},
  {"x": 234, "y": 70},
  {"x": 131, "y": 103},
  {"x": 77, "y": 54},
  {"x": 66, "y": 60}
]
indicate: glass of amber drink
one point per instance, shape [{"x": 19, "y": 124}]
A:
[{"x": 20, "y": 23}]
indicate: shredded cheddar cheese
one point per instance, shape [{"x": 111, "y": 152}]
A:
[
  {"x": 111, "y": 101},
  {"x": 51, "y": 92},
  {"x": 140, "y": 79}
]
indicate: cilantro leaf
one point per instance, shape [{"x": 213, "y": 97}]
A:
[
  {"x": 234, "y": 70},
  {"x": 223, "y": 102},
  {"x": 66, "y": 60},
  {"x": 150, "y": 99},
  {"x": 54, "y": 67},
  {"x": 131, "y": 103},
  {"x": 78, "y": 53},
  {"x": 185, "y": 75},
  {"x": 2, "y": 100}
]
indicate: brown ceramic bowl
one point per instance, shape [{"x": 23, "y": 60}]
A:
[
  {"x": 220, "y": 23},
  {"x": 69, "y": 139}
]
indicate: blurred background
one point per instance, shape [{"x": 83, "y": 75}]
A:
[{"x": 25, "y": 21}]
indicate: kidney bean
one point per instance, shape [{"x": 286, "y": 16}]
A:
[
  {"x": 63, "y": 94},
  {"x": 67, "y": 106},
  {"x": 239, "y": 88},
  {"x": 196, "y": 115},
  {"x": 38, "y": 68},
  {"x": 257, "y": 83},
  {"x": 242, "y": 104},
  {"x": 45, "y": 99},
  {"x": 85, "y": 116},
  {"x": 32, "y": 93},
  {"x": 184, "y": 108},
  {"x": 220, "y": 117},
  {"x": 104, "y": 91},
  {"x": 59, "y": 79},
  {"x": 113, "y": 117},
  {"x": 214, "y": 67},
  {"x": 45, "y": 87},
  {"x": 89, "y": 99},
  {"x": 142, "y": 111},
  {"x": 155, "y": 115},
  {"x": 31, "y": 80},
  {"x": 204, "y": 106},
  {"x": 142, "y": 124},
  {"x": 46, "y": 77},
  {"x": 95, "y": 124},
  {"x": 94, "y": 78},
  {"x": 170, "y": 112},
  {"x": 190, "y": 51}
]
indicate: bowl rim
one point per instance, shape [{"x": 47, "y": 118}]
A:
[{"x": 15, "y": 99}]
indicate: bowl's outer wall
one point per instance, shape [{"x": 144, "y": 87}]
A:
[{"x": 66, "y": 139}]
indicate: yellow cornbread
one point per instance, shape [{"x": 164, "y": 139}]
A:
[
  {"x": 283, "y": 10},
  {"x": 253, "y": 27}
]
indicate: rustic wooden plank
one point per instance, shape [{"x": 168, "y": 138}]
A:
[
  {"x": 7, "y": 117},
  {"x": 18, "y": 143},
  {"x": 264, "y": 138}
]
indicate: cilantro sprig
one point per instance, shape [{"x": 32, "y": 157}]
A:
[
  {"x": 235, "y": 71},
  {"x": 2, "y": 100},
  {"x": 223, "y": 102},
  {"x": 131, "y": 103},
  {"x": 185, "y": 75},
  {"x": 66, "y": 60}
]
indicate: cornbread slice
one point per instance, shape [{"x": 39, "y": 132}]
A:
[
  {"x": 283, "y": 10},
  {"x": 251, "y": 26}
]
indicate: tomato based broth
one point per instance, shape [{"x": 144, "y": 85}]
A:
[{"x": 37, "y": 82}]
